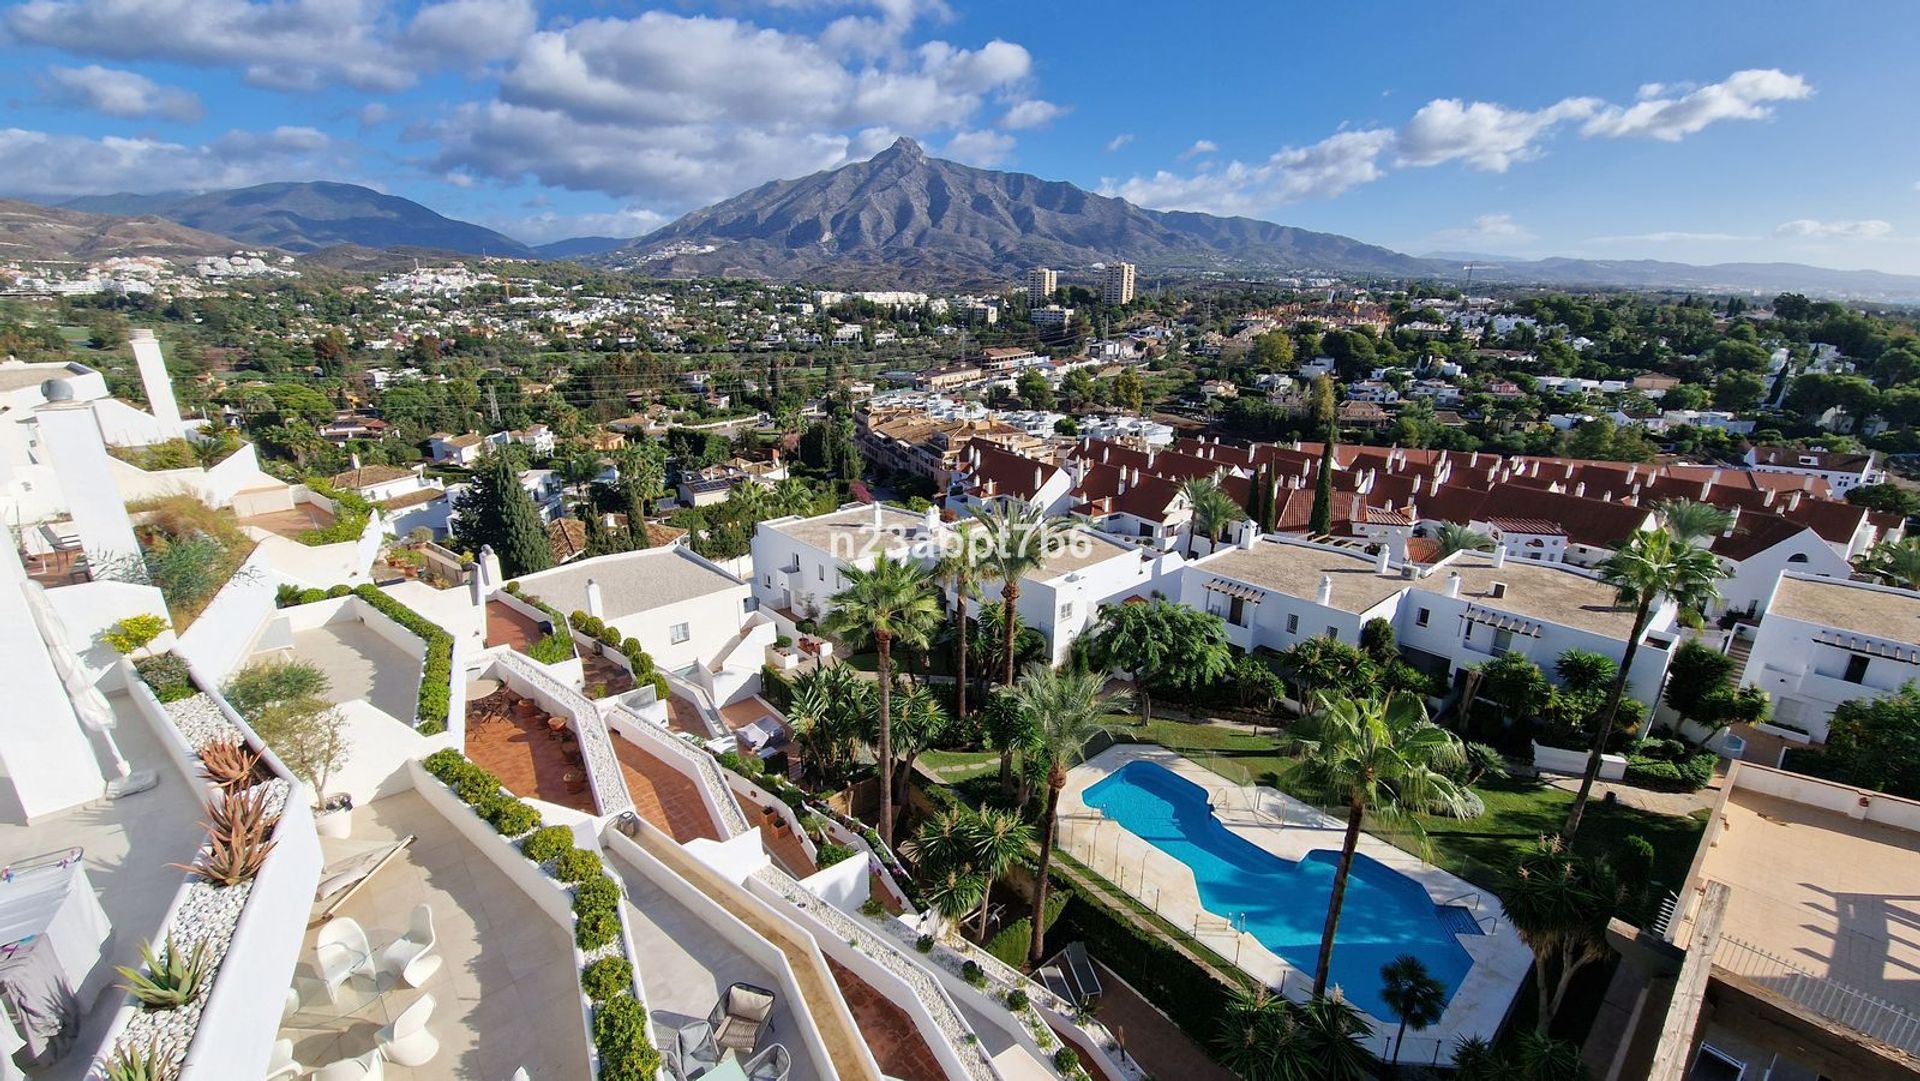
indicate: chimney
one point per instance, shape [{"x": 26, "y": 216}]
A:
[
  {"x": 1036, "y": 480},
  {"x": 876, "y": 515},
  {"x": 1733, "y": 521},
  {"x": 353, "y": 460},
  {"x": 1496, "y": 590},
  {"x": 1766, "y": 497},
  {"x": 1714, "y": 478},
  {"x": 1793, "y": 500},
  {"x": 1706, "y": 489},
  {"x": 489, "y": 566},
  {"x": 1453, "y": 584},
  {"x": 1632, "y": 472},
  {"x": 1498, "y": 556},
  {"x": 154, "y": 378},
  {"x": 1580, "y": 489},
  {"x": 1381, "y": 559},
  {"x": 595, "y": 607},
  {"x": 1324, "y": 598},
  {"x": 476, "y": 589}
]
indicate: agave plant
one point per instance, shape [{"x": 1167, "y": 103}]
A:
[
  {"x": 131, "y": 1063},
  {"x": 171, "y": 978},
  {"x": 228, "y": 763},
  {"x": 237, "y": 838}
]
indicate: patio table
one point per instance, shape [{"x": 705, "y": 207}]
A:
[
  {"x": 359, "y": 994},
  {"x": 729, "y": 1069}
]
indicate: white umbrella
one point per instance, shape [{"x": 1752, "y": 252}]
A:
[{"x": 88, "y": 703}]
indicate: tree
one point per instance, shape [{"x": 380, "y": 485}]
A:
[
  {"x": 1558, "y": 903},
  {"x": 984, "y": 842},
  {"x": 1875, "y": 743},
  {"x": 1377, "y": 642},
  {"x": 1034, "y": 390},
  {"x": 1008, "y": 730},
  {"x": 1129, "y": 391},
  {"x": 1453, "y": 537},
  {"x": 1066, "y": 709},
  {"x": 1736, "y": 356},
  {"x": 496, "y": 511},
  {"x": 892, "y": 603},
  {"x": 958, "y": 572},
  {"x": 1160, "y": 643},
  {"x": 828, "y": 709},
  {"x": 1653, "y": 563},
  {"x": 1411, "y": 992},
  {"x": 1737, "y": 391},
  {"x": 307, "y": 734},
  {"x": 1273, "y": 350},
  {"x": 1264, "y": 1037},
  {"x": 1896, "y": 563},
  {"x": 1019, "y": 538},
  {"x": 919, "y": 722},
  {"x": 1322, "y": 665},
  {"x": 1378, "y": 756},
  {"x": 1213, "y": 510},
  {"x": 1691, "y": 520},
  {"x": 1321, "y": 520},
  {"x": 1517, "y": 684},
  {"x": 1888, "y": 498},
  {"x": 1694, "y": 677}
]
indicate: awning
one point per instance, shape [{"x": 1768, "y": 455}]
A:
[
  {"x": 1236, "y": 590},
  {"x": 1872, "y": 647},
  {"x": 1500, "y": 621}
]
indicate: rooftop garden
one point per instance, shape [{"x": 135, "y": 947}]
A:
[
  {"x": 187, "y": 549},
  {"x": 351, "y": 512},
  {"x": 180, "y": 453},
  {"x": 436, "y": 679}
]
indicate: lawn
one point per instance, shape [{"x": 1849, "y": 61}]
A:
[
  {"x": 953, "y": 767},
  {"x": 939, "y": 662}
]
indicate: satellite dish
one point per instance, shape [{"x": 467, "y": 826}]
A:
[{"x": 56, "y": 390}]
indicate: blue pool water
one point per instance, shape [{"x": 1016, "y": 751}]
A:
[{"x": 1284, "y": 902}]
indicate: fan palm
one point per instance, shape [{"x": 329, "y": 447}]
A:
[
  {"x": 1691, "y": 520},
  {"x": 1896, "y": 563},
  {"x": 1653, "y": 563},
  {"x": 1374, "y": 755},
  {"x": 1213, "y": 510},
  {"x": 1020, "y": 538},
  {"x": 1415, "y": 997},
  {"x": 958, "y": 572},
  {"x": 1067, "y": 709},
  {"x": 828, "y": 710},
  {"x": 892, "y": 603},
  {"x": 1454, "y": 537}
]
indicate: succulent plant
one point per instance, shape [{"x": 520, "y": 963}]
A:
[
  {"x": 170, "y": 978},
  {"x": 237, "y": 838},
  {"x": 228, "y": 763},
  {"x": 131, "y": 1063}
]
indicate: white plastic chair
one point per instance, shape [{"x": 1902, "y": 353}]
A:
[
  {"x": 520, "y": 1075},
  {"x": 411, "y": 957},
  {"x": 282, "y": 1063},
  {"x": 341, "y": 952},
  {"x": 407, "y": 1042},
  {"x": 365, "y": 1068}
]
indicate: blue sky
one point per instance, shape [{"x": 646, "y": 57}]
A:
[{"x": 1702, "y": 132}]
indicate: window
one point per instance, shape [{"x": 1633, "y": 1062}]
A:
[
  {"x": 767, "y": 580},
  {"x": 1293, "y": 624},
  {"x": 1333, "y": 634},
  {"x": 679, "y": 633},
  {"x": 1856, "y": 668},
  {"x": 1066, "y": 610},
  {"x": 1502, "y": 641},
  {"x": 1420, "y": 618},
  {"x": 820, "y": 572},
  {"x": 1797, "y": 557}
]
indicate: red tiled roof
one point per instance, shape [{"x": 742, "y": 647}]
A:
[{"x": 1753, "y": 534}]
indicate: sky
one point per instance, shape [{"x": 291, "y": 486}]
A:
[{"x": 1699, "y": 132}]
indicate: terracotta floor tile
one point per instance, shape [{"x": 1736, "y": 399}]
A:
[
  {"x": 664, "y": 796},
  {"x": 889, "y": 1032},
  {"x": 526, "y": 761}
]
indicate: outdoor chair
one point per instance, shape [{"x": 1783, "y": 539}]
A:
[
  {"x": 365, "y": 1068},
  {"x": 412, "y": 957},
  {"x": 407, "y": 1041},
  {"x": 694, "y": 1052},
  {"x": 282, "y": 1064},
  {"x": 342, "y": 951},
  {"x": 770, "y": 1065},
  {"x": 743, "y": 1013}
]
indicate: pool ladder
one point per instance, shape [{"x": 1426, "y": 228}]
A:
[{"x": 1471, "y": 898}]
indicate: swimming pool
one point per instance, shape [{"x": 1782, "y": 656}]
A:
[{"x": 1284, "y": 902}]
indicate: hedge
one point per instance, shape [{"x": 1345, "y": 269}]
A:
[
  {"x": 1011, "y": 943},
  {"x": 167, "y": 676},
  {"x": 1668, "y": 765},
  {"x": 436, "y": 679},
  {"x": 351, "y": 512},
  {"x": 1193, "y": 997},
  {"x": 620, "y": 1035}
]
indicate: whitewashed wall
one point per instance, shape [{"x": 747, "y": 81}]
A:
[{"x": 219, "y": 640}]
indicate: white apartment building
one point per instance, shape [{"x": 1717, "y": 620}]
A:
[
  {"x": 800, "y": 563},
  {"x": 1116, "y": 285},
  {"x": 1051, "y": 317},
  {"x": 1841, "y": 471},
  {"x": 1041, "y": 284},
  {"x": 1062, "y": 599},
  {"x": 1825, "y": 641},
  {"x": 1275, "y": 593}
]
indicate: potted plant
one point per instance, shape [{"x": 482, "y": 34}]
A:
[{"x": 311, "y": 739}]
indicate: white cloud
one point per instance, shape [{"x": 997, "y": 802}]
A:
[
  {"x": 1199, "y": 147},
  {"x": 1126, "y": 137},
  {"x": 1744, "y": 95},
  {"x": 982, "y": 148},
  {"x": 1810, "y": 229},
  {"x": 470, "y": 31},
  {"x": 544, "y": 228},
  {"x": 1498, "y": 230},
  {"x": 126, "y": 94},
  {"x": 35, "y": 163},
  {"x": 373, "y": 114},
  {"x": 1481, "y": 135},
  {"x": 1032, "y": 113}
]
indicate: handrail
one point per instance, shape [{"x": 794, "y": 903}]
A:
[
  {"x": 1472, "y": 895},
  {"x": 1837, "y": 1002},
  {"x": 610, "y": 793}
]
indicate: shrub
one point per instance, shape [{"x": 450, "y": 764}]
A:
[
  {"x": 973, "y": 973},
  {"x": 595, "y": 928},
  {"x": 131, "y": 1063},
  {"x": 577, "y": 865},
  {"x": 265, "y": 683},
  {"x": 620, "y": 1035},
  {"x": 171, "y": 978},
  {"x": 351, "y": 512},
  {"x": 476, "y": 788},
  {"x": 436, "y": 678},
  {"x": 167, "y": 676},
  {"x": 872, "y": 909},
  {"x": 832, "y": 853},
  {"x": 1188, "y": 994},
  {"x": 555, "y": 648},
  {"x": 1065, "y": 1060},
  {"x": 606, "y": 978},
  {"x": 597, "y": 892},
  {"x": 511, "y": 817},
  {"x": 609, "y": 636},
  {"x": 133, "y": 633},
  {"x": 1685, "y": 774},
  {"x": 341, "y": 590},
  {"x": 1017, "y": 999},
  {"x": 443, "y": 765},
  {"x": 547, "y": 844},
  {"x": 312, "y": 596},
  {"x": 286, "y": 596},
  {"x": 512, "y": 587},
  {"x": 924, "y": 943}
]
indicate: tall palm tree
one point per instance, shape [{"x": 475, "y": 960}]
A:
[
  {"x": 1375, "y": 755},
  {"x": 1896, "y": 563},
  {"x": 1009, "y": 730},
  {"x": 1067, "y": 710},
  {"x": 1213, "y": 510},
  {"x": 1415, "y": 997},
  {"x": 1691, "y": 520},
  {"x": 954, "y": 892},
  {"x": 1454, "y": 537},
  {"x": 919, "y": 720},
  {"x": 892, "y": 603},
  {"x": 1020, "y": 538},
  {"x": 1653, "y": 563},
  {"x": 958, "y": 572},
  {"x": 999, "y": 838}
]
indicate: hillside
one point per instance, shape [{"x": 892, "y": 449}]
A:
[
  {"x": 306, "y": 217},
  {"x": 30, "y": 231},
  {"x": 904, "y": 218}
]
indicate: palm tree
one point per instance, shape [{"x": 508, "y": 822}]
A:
[
  {"x": 1067, "y": 710},
  {"x": 1691, "y": 520},
  {"x": 999, "y": 839},
  {"x": 1415, "y": 997},
  {"x": 1021, "y": 538},
  {"x": 1653, "y": 563},
  {"x": 1008, "y": 729},
  {"x": 1262, "y": 1040},
  {"x": 1333, "y": 1030},
  {"x": 1375, "y": 755},
  {"x": 828, "y": 710},
  {"x": 954, "y": 893},
  {"x": 1558, "y": 903},
  {"x": 1454, "y": 537},
  {"x": 891, "y": 603},
  {"x": 958, "y": 572},
  {"x": 1213, "y": 510},
  {"x": 1896, "y": 563},
  {"x": 919, "y": 720}
]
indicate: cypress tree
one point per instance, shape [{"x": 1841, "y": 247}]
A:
[
  {"x": 1322, "y": 520},
  {"x": 496, "y": 510}
]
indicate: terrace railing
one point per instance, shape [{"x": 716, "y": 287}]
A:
[{"x": 1850, "y": 1007}]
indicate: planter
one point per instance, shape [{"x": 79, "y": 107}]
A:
[
  {"x": 1613, "y": 767},
  {"x": 334, "y": 818}
]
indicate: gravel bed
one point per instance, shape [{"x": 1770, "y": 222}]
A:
[{"x": 200, "y": 721}]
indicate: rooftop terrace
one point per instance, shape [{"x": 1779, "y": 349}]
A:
[
  {"x": 1553, "y": 594},
  {"x": 1296, "y": 570},
  {"x": 630, "y": 583},
  {"x": 1854, "y": 606}
]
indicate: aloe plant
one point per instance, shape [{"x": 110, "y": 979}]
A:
[
  {"x": 131, "y": 1063},
  {"x": 228, "y": 763},
  {"x": 237, "y": 838},
  {"x": 173, "y": 977}
]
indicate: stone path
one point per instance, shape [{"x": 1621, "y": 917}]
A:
[{"x": 1677, "y": 804}]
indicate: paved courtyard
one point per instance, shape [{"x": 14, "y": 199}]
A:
[{"x": 359, "y": 664}]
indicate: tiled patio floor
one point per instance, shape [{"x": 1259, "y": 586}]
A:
[
  {"x": 526, "y": 761},
  {"x": 358, "y": 664},
  {"x": 663, "y": 795},
  {"x": 889, "y": 1032},
  {"x": 506, "y": 996},
  {"x": 291, "y": 523},
  {"x": 506, "y": 627},
  {"x": 684, "y": 717},
  {"x": 605, "y": 674},
  {"x": 785, "y": 848}
]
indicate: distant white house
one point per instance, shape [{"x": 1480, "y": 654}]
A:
[{"x": 1825, "y": 641}]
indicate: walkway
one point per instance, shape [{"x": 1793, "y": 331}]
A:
[
  {"x": 784, "y": 847},
  {"x": 890, "y": 1034},
  {"x": 507, "y": 627},
  {"x": 292, "y": 522},
  {"x": 663, "y": 795},
  {"x": 519, "y": 751},
  {"x": 1676, "y": 804},
  {"x": 1160, "y": 1047}
]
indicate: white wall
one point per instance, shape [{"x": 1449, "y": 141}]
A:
[
  {"x": 845, "y": 885},
  {"x": 1750, "y": 586},
  {"x": 1805, "y": 677},
  {"x": 712, "y": 620},
  {"x": 218, "y": 641}
]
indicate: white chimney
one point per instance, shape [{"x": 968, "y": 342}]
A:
[
  {"x": 1498, "y": 556},
  {"x": 1325, "y": 597},
  {"x": 1733, "y": 521},
  {"x": 1766, "y": 497},
  {"x": 154, "y": 378},
  {"x": 876, "y": 515},
  {"x": 1453, "y": 584},
  {"x": 933, "y": 519},
  {"x": 1381, "y": 559},
  {"x": 1580, "y": 489},
  {"x": 354, "y": 460},
  {"x": 489, "y": 566},
  {"x": 595, "y": 607}
]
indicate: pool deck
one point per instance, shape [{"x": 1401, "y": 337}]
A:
[{"x": 1289, "y": 829}]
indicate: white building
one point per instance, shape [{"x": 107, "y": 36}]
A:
[
  {"x": 799, "y": 563},
  {"x": 1757, "y": 549},
  {"x": 1841, "y": 471},
  {"x": 1116, "y": 284},
  {"x": 1825, "y": 641},
  {"x": 1051, "y": 317},
  {"x": 1041, "y": 284},
  {"x": 1062, "y": 598},
  {"x": 461, "y": 450},
  {"x": 1276, "y": 593}
]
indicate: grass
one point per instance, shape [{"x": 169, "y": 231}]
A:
[
  {"x": 939, "y": 662},
  {"x": 955, "y": 766}
]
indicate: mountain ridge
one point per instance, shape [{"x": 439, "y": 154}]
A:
[{"x": 32, "y": 232}]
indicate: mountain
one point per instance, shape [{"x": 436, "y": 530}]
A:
[
  {"x": 1766, "y": 278},
  {"x": 904, "y": 218},
  {"x": 305, "y": 217},
  {"x": 33, "y": 232},
  {"x": 580, "y": 246}
]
